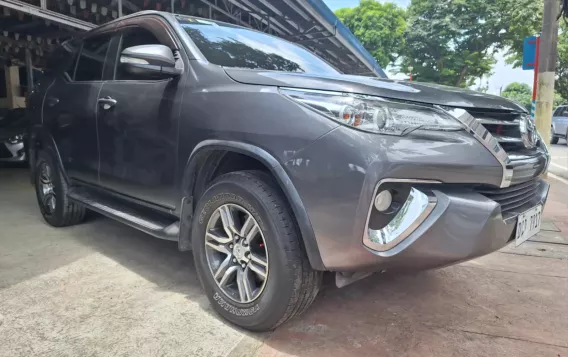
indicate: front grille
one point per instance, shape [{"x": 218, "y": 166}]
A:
[
  {"x": 504, "y": 126},
  {"x": 512, "y": 198}
]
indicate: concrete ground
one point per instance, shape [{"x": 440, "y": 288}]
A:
[{"x": 104, "y": 289}]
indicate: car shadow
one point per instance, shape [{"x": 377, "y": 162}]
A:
[{"x": 160, "y": 262}]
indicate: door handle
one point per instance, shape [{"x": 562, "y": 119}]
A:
[
  {"x": 107, "y": 102},
  {"x": 52, "y": 101}
]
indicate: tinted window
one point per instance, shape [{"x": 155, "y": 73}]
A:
[
  {"x": 135, "y": 37},
  {"x": 92, "y": 58},
  {"x": 563, "y": 112},
  {"x": 64, "y": 58},
  {"x": 233, "y": 46}
]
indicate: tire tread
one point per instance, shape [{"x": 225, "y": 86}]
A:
[{"x": 308, "y": 281}]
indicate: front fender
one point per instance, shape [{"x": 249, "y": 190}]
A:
[{"x": 300, "y": 213}]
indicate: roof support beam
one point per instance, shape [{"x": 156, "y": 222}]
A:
[{"x": 47, "y": 14}]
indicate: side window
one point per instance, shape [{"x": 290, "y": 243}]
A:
[
  {"x": 134, "y": 37},
  {"x": 92, "y": 59},
  {"x": 563, "y": 112},
  {"x": 64, "y": 59}
]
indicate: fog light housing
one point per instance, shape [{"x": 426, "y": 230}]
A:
[
  {"x": 417, "y": 207},
  {"x": 383, "y": 200}
]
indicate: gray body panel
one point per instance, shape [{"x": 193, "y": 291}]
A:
[{"x": 327, "y": 171}]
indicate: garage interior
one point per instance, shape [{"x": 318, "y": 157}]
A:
[{"x": 31, "y": 29}]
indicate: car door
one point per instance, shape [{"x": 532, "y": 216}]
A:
[
  {"x": 138, "y": 121},
  {"x": 70, "y": 106},
  {"x": 561, "y": 118}
]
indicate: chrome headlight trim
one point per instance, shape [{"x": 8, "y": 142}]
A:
[{"x": 411, "y": 215}]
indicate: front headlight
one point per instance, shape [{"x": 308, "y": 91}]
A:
[
  {"x": 374, "y": 114},
  {"x": 16, "y": 139}
]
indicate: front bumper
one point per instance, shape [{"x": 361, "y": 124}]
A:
[
  {"x": 12, "y": 152},
  {"x": 337, "y": 178},
  {"x": 460, "y": 226}
]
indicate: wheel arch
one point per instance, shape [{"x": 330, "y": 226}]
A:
[
  {"x": 41, "y": 139},
  {"x": 212, "y": 158}
]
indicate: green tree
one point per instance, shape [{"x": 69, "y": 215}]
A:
[
  {"x": 454, "y": 42},
  {"x": 379, "y": 27},
  {"x": 520, "y": 93},
  {"x": 561, "y": 84}
]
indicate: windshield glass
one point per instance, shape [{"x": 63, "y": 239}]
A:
[{"x": 232, "y": 46}]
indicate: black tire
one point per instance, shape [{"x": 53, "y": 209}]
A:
[
  {"x": 291, "y": 285},
  {"x": 65, "y": 213}
]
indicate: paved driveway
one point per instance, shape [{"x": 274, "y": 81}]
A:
[{"x": 104, "y": 289}]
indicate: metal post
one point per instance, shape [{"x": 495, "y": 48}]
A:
[
  {"x": 119, "y": 8},
  {"x": 172, "y": 7},
  {"x": 546, "y": 69},
  {"x": 29, "y": 73}
]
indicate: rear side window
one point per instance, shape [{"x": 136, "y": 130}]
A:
[
  {"x": 92, "y": 59},
  {"x": 561, "y": 112}
]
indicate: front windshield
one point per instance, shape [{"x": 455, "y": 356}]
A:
[{"x": 232, "y": 46}]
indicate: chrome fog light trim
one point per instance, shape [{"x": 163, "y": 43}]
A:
[
  {"x": 413, "y": 212},
  {"x": 401, "y": 226}
]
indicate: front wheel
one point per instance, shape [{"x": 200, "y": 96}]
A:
[
  {"x": 248, "y": 252},
  {"x": 51, "y": 191}
]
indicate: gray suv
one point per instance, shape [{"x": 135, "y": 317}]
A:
[
  {"x": 559, "y": 124},
  {"x": 273, "y": 167}
]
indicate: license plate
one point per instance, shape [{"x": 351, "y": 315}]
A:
[{"x": 528, "y": 224}]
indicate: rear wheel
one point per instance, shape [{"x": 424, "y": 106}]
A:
[
  {"x": 51, "y": 191},
  {"x": 248, "y": 252}
]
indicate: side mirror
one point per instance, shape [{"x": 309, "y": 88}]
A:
[{"x": 149, "y": 60}]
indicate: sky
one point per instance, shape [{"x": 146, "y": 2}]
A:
[{"x": 503, "y": 74}]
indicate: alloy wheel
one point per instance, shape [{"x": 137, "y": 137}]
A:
[
  {"x": 236, "y": 253},
  {"x": 47, "y": 188}
]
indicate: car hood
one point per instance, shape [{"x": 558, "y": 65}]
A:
[{"x": 402, "y": 90}]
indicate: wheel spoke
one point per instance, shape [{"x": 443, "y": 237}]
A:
[
  {"x": 219, "y": 239},
  {"x": 44, "y": 179},
  {"x": 228, "y": 221},
  {"x": 243, "y": 284},
  {"x": 218, "y": 247},
  {"x": 254, "y": 230},
  {"x": 259, "y": 265},
  {"x": 259, "y": 260},
  {"x": 228, "y": 274},
  {"x": 45, "y": 200},
  {"x": 247, "y": 226},
  {"x": 223, "y": 267}
]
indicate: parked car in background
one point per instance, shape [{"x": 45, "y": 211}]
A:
[
  {"x": 559, "y": 124},
  {"x": 13, "y": 134},
  {"x": 273, "y": 167}
]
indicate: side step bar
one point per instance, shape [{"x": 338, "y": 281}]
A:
[{"x": 159, "y": 227}]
